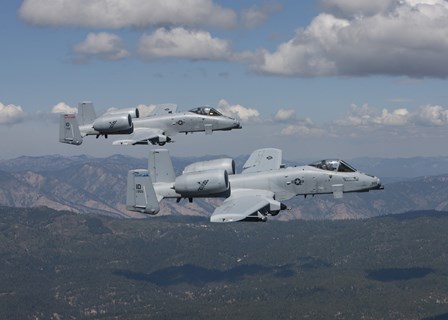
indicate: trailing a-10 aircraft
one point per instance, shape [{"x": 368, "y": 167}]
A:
[
  {"x": 158, "y": 128},
  {"x": 250, "y": 196}
]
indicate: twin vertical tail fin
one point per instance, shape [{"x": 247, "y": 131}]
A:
[
  {"x": 145, "y": 188},
  {"x": 140, "y": 194},
  {"x": 160, "y": 166},
  {"x": 69, "y": 130},
  {"x": 86, "y": 113}
]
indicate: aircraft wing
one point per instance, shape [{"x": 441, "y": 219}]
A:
[
  {"x": 263, "y": 160},
  {"x": 245, "y": 205},
  {"x": 143, "y": 136},
  {"x": 165, "y": 108}
]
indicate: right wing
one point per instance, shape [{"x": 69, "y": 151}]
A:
[
  {"x": 263, "y": 160},
  {"x": 246, "y": 205},
  {"x": 163, "y": 109},
  {"x": 143, "y": 136}
]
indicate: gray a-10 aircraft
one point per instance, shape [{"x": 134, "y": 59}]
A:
[
  {"x": 158, "y": 128},
  {"x": 250, "y": 196}
]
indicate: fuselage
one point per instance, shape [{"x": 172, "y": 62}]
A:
[
  {"x": 288, "y": 182},
  {"x": 304, "y": 180},
  {"x": 187, "y": 122},
  {"x": 172, "y": 124}
]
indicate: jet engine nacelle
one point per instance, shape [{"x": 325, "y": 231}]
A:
[
  {"x": 226, "y": 164},
  {"x": 205, "y": 183},
  {"x": 133, "y": 112},
  {"x": 114, "y": 124}
]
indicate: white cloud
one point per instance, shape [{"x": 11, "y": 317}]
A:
[
  {"x": 432, "y": 115},
  {"x": 365, "y": 120},
  {"x": 358, "y": 116},
  {"x": 182, "y": 43},
  {"x": 102, "y": 45},
  {"x": 256, "y": 15},
  {"x": 10, "y": 114},
  {"x": 126, "y": 13},
  {"x": 303, "y": 128},
  {"x": 238, "y": 111},
  {"x": 397, "y": 117},
  {"x": 365, "y": 116},
  {"x": 356, "y": 7},
  {"x": 285, "y": 115},
  {"x": 428, "y": 115},
  {"x": 62, "y": 107},
  {"x": 405, "y": 37}
]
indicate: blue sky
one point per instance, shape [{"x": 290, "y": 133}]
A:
[{"x": 339, "y": 78}]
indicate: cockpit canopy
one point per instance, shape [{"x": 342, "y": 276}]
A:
[
  {"x": 206, "y": 111},
  {"x": 333, "y": 165}
]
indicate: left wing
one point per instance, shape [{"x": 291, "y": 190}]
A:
[
  {"x": 246, "y": 205},
  {"x": 263, "y": 160},
  {"x": 163, "y": 109},
  {"x": 143, "y": 136}
]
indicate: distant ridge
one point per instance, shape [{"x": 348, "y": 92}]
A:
[{"x": 97, "y": 185}]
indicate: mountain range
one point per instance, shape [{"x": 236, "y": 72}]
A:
[{"x": 86, "y": 184}]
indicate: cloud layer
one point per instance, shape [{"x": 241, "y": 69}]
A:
[
  {"x": 349, "y": 38},
  {"x": 182, "y": 43},
  {"x": 62, "y": 107},
  {"x": 101, "y": 45},
  {"x": 238, "y": 111},
  {"x": 357, "y": 38},
  {"x": 11, "y": 114},
  {"x": 365, "y": 119},
  {"x": 117, "y": 14}
]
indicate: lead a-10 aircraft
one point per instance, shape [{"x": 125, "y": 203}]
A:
[
  {"x": 250, "y": 196},
  {"x": 159, "y": 128}
]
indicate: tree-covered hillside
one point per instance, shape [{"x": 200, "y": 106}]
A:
[{"x": 62, "y": 265}]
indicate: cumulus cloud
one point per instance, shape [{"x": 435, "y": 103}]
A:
[
  {"x": 405, "y": 37},
  {"x": 366, "y": 116},
  {"x": 11, "y": 114},
  {"x": 101, "y": 45},
  {"x": 304, "y": 127},
  {"x": 365, "y": 119},
  {"x": 257, "y": 15},
  {"x": 428, "y": 115},
  {"x": 285, "y": 115},
  {"x": 238, "y": 111},
  {"x": 126, "y": 13},
  {"x": 182, "y": 43},
  {"x": 432, "y": 115},
  {"x": 62, "y": 107},
  {"x": 347, "y": 8}
]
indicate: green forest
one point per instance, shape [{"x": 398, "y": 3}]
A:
[{"x": 62, "y": 265}]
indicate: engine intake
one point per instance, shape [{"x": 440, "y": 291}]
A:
[
  {"x": 226, "y": 164},
  {"x": 204, "y": 183},
  {"x": 114, "y": 124}
]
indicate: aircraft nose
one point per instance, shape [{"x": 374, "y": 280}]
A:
[
  {"x": 376, "y": 184},
  {"x": 235, "y": 123},
  {"x": 238, "y": 125}
]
